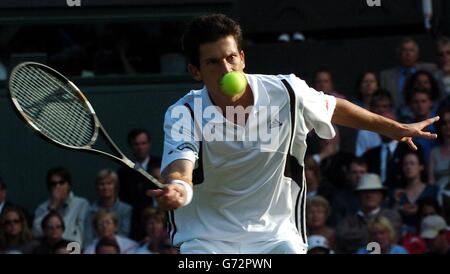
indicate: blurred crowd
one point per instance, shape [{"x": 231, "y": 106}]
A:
[{"x": 366, "y": 192}]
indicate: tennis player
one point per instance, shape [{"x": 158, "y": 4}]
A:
[{"x": 244, "y": 196}]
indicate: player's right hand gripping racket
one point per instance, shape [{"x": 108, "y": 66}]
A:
[{"x": 60, "y": 113}]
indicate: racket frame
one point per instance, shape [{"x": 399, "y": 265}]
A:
[{"x": 98, "y": 127}]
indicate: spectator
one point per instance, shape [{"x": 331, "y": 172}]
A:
[
  {"x": 73, "y": 209},
  {"x": 4, "y": 203},
  {"x": 439, "y": 161},
  {"x": 415, "y": 189},
  {"x": 106, "y": 225},
  {"x": 53, "y": 229},
  {"x": 61, "y": 247},
  {"x": 15, "y": 236},
  {"x": 133, "y": 186},
  {"x": 422, "y": 80},
  {"x": 323, "y": 81},
  {"x": 318, "y": 244},
  {"x": 156, "y": 241},
  {"x": 394, "y": 79},
  {"x": 345, "y": 202},
  {"x": 434, "y": 231},
  {"x": 332, "y": 161},
  {"x": 411, "y": 240},
  {"x": 381, "y": 232},
  {"x": 315, "y": 184},
  {"x": 443, "y": 74},
  {"x": 385, "y": 160},
  {"x": 381, "y": 103},
  {"x": 352, "y": 232},
  {"x": 366, "y": 86},
  {"x": 317, "y": 212},
  {"x": 107, "y": 184},
  {"x": 421, "y": 105},
  {"x": 107, "y": 246}
]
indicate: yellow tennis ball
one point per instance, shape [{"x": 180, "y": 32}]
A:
[{"x": 233, "y": 83}]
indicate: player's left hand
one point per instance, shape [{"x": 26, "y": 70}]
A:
[{"x": 408, "y": 131}]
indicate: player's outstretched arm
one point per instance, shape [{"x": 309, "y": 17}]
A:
[
  {"x": 178, "y": 179},
  {"x": 351, "y": 115}
]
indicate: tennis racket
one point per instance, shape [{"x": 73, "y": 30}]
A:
[{"x": 61, "y": 114}]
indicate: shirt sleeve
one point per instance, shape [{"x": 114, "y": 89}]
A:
[
  {"x": 317, "y": 108},
  {"x": 180, "y": 141}
]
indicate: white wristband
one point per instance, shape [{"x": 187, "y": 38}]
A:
[{"x": 187, "y": 187}]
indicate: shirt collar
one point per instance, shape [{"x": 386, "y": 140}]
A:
[
  {"x": 144, "y": 164},
  {"x": 392, "y": 145},
  {"x": 371, "y": 214}
]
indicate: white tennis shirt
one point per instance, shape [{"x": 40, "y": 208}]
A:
[{"x": 243, "y": 193}]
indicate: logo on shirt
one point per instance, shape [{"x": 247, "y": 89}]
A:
[{"x": 275, "y": 123}]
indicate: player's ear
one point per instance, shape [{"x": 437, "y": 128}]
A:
[
  {"x": 194, "y": 71},
  {"x": 242, "y": 54}
]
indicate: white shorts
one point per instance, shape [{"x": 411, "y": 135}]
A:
[{"x": 201, "y": 246}]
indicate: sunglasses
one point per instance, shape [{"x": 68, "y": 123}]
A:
[
  {"x": 54, "y": 183},
  {"x": 14, "y": 221}
]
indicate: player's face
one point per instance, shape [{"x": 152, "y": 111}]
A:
[
  {"x": 421, "y": 105},
  {"x": 216, "y": 59}
]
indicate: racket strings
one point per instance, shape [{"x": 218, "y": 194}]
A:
[{"x": 52, "y": 106}]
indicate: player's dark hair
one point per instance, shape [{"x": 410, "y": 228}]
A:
[
  {"x": 137, "y": 131},
  {"x": 206, "y": 29},
  {"x": 60, "y": 171}
]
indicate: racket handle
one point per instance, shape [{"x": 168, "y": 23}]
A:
[{"x": 149, "y": 177}]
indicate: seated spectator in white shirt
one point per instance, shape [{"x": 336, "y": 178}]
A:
[
  {"x": 107, "y": 184},
  {"x": 106, "y": 225},
  {"x": 156, "y": 239},
  {"x": 382, "y": 232}
]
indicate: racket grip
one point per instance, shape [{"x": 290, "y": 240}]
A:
[{"x": 150, "y": 178}]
